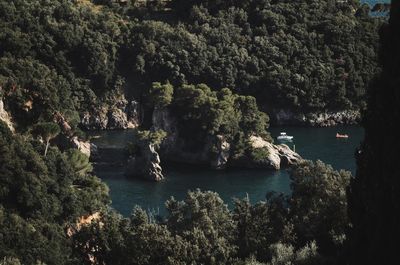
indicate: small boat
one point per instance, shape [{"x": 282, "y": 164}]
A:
[
  {"x": 284, "y": 137},
  {"x": 338, "y": 135}
]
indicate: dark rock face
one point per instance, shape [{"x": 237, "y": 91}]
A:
[
  {"x": 223, "y": 153},
  {"x": 374, "y": 194},
  {"x": 95, "y": 121},
  {"x": 117, "y": 119},
  {"x": 147, "y": 165},
  {"x": 122, "y": 115},
  {"x": 323, "y": 119}
]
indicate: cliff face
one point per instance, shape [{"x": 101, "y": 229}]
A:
[
  {"x": 123, "y": 114},
  {"x": 5, "y": 117},
  {"x": 374, "y": 194}
]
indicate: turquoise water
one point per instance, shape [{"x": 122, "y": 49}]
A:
[{"x": 311, "y": 143}]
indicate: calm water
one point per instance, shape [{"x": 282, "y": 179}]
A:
[
  {"x": 311, "y": 143},
  {"x": 373, "y": 2}
]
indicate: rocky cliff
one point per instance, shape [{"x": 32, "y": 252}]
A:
[
  {"x": 123, "y": 114},
  {"x": 5, "y": 117}
]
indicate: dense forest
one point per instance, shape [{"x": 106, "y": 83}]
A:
[
  {"x": 62, "y": 58},
  {"x": 75, "y": 56}
]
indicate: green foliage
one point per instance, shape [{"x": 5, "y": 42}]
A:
[
  {"x": 32, "y": 241},
  {"x": 201, "y": 230},
  {"x": 160, "y": 95},
  {"x": 38, "y": 197},
  {"x": 259, "y": 154},
  {"x": 142, "y": 138},
  {"x": 79, "y": 162},
  {"x": 202, "y": 112},
  {"x": 69, "y": 55},
  {"x": 152, "y": 137},
  {"x": 10, "y": 261},
  {"x": 49, "y": 188},
  {"x": 48, "y": 131},
  {"x": 204, "y": 222},
  {"x": 319, "y": 204},
  {"x": 286, "y": 255},
  {"x": 260, "y": 226},
  {"x": 305, "y": 55}
]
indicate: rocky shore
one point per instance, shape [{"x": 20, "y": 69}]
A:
[{"x": 320, "y": 119}]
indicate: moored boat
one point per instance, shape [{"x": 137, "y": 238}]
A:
[
  {"x": 338, "y": 135},
  {"x": 284, "y": 137}
]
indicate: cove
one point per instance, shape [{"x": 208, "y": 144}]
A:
[{"x": 310, "y": 143}]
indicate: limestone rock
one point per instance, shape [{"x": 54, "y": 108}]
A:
[
  {"x": 223, "y": 153},
  {"x": 117, "y": 119},
  {"x": 84, "y": 146},
  {"x": 97, "y": 120},
  {"x": 147, "y": 165},
  {"x": 122, "y": 115},
  {"x": 278, "y": 155},
  {"x": 5, "y": 117},
  {"x": 320, "y": 119},
  {"x": 163, "y": 120},
  {"x": 134, "y": 114}
]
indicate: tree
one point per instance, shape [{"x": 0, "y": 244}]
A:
[
  {"x": 48, "y": 131},
  {"x": 205, "y": 224},
  {"x": 79, "y": 161},
  {"x": 318, "y": 205},
  {"x": 161, "y": 94}
]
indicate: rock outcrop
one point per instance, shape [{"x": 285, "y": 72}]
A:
[
  {"x": 85, "y": 147},
  {"x": 223, "y": 153},
  {"x": 5, "y": 117},
  {"x": 146, "y": 165},
  {"x": 216, "y": 150},
  {"x": 123, "y": 115},
  {"x": 163, "y": 120},
  {"x": 178, "y": 150},
  {"x": 66, "y": 139},
  {"x": 321, "y": 119},
  {"x": 278, "y": 156}
]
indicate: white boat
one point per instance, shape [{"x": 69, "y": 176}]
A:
[{"x": 284, "y": 137}]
